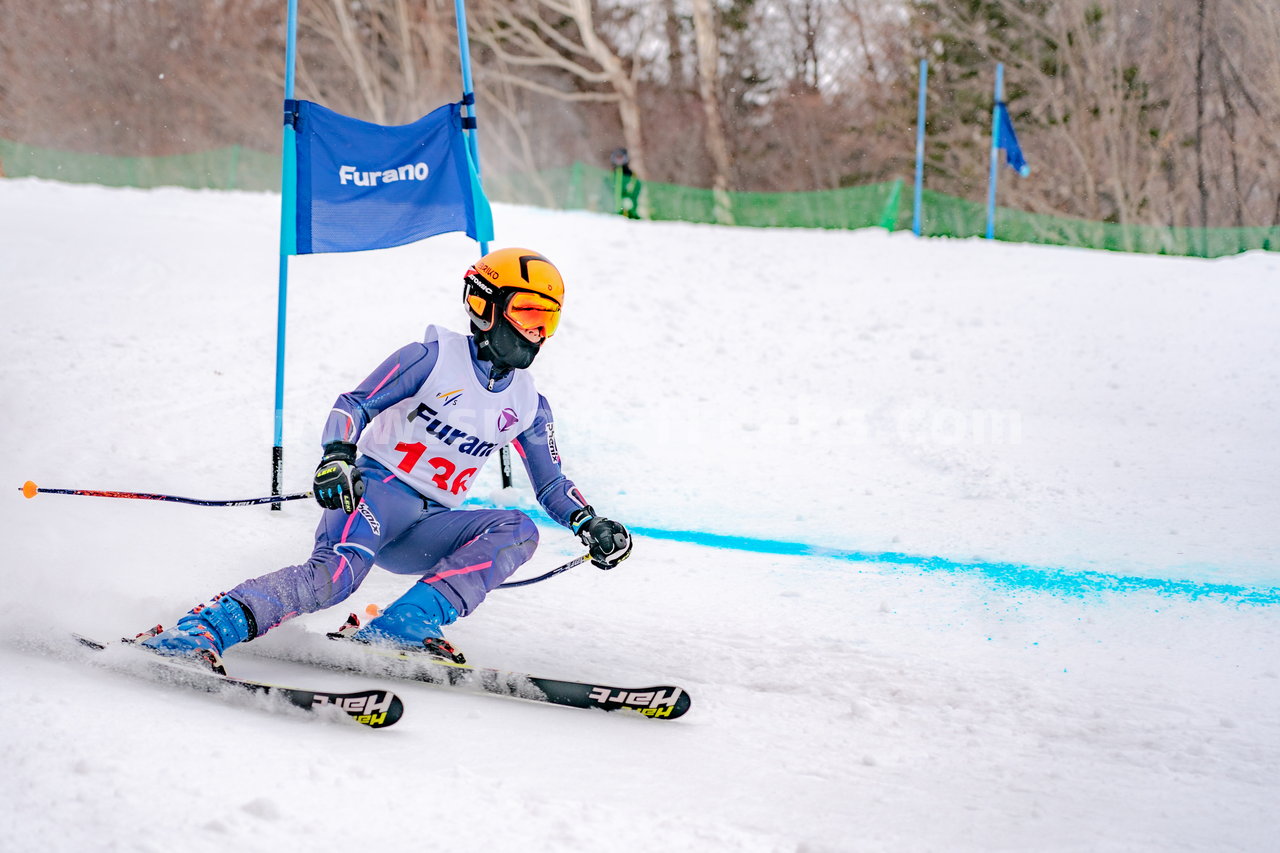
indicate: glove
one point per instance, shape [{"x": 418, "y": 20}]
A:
[
  {"x": 337, "y": 484},
  {"x": 607, "y": 541}
]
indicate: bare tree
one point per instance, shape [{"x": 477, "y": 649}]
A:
[
  {"x": 1131, "y": 111},
  {"x": 1201, "y": 185},
  {"x": 1247, "y": 42},
  {"x": 388, "y": 61},
  {"x": 135, "y": 77},
  {"x": 555, "y": 48},
  {"x": 1148, "y": 112},
  {"x": 704, "y": 28}
]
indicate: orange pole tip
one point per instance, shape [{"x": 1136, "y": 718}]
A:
[{"x": 29, "y": 489}]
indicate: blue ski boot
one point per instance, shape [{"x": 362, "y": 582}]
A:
[
  {"x": 204, "y": 633},
  {"x": 411, "y": 623}
]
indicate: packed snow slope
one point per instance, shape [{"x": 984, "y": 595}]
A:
[{"x": 957, "y": 545}]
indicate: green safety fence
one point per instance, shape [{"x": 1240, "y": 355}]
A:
[
  {"x": 885, "y": 205},
  {"x": 233, "y": 168},
  {"x": 947, "y": 216},
  {"x": 582, "y": 187}
]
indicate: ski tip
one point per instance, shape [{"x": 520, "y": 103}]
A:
[
  {"x": 392, "y": 715},
  {"x": 376, "y": 709},
  {"x": 670, "y": 709},
  {"x": 86, "y": 641},
  {"x": 30, "y": 489}
]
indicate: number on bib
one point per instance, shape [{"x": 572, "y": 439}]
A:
[
  {"x": 412, "y": 453},
  {"x": 444, "y": 469}
]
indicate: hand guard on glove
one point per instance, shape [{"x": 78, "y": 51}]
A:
[
  {"x": 608, "y": 542},
  {"x": 337, "y": 483}
]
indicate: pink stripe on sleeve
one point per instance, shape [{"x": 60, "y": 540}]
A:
[{"x": 385, "y": 379}]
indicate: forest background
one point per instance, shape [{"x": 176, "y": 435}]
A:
[{"x": 1135, "y": 112}]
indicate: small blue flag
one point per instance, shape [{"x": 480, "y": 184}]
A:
[
  {"x": 365, "y": 186},
  {"x": 1008, "y": 140}
]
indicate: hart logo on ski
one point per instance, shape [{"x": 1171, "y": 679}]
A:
[
  {"x": 374, "y": 708},
  {"x": 372, "y": 703},
  {"x": 369, "y": 710},
  {"x": 660, "y": 702},
  {"x": 653, "y": 703}
]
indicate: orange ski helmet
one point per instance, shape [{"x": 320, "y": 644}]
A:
[{"x": 513, "y": 298}]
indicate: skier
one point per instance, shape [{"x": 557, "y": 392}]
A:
[{"x": 426, "y": 421}]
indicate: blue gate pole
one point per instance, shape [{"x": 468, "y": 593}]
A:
[
  {"x": 288, "y": 244},
  {"x": 469, "y": 108},
  {"x": 920, "y": 109},
  {"x": 468, "y": 92},
  {"x": 995, "y": 153}
]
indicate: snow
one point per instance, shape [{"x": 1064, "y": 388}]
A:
[{"x": 1006, "y": 570}]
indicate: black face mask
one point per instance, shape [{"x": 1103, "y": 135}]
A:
[{"x": 504, "y": 347}]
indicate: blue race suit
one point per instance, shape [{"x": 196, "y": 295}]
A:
[{"x": 462, "y": 554}]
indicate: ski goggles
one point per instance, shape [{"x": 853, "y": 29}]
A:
[
  {"x": 531, "y": 314},
  {"x": 535, "y": 316}
]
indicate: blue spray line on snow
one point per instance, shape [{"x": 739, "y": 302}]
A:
[
  {"x": 1052, "y": 580},
  {"x": 1057, "y": 581}
]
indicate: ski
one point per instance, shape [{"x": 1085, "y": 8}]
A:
[
  {"x": 662, "y": 702},
  {"x": 376, "y": 709}
]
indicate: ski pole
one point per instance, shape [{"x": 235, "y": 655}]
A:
[
  {"x": 30, "y": 490},
  {"x": 576, "y": 561}
]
